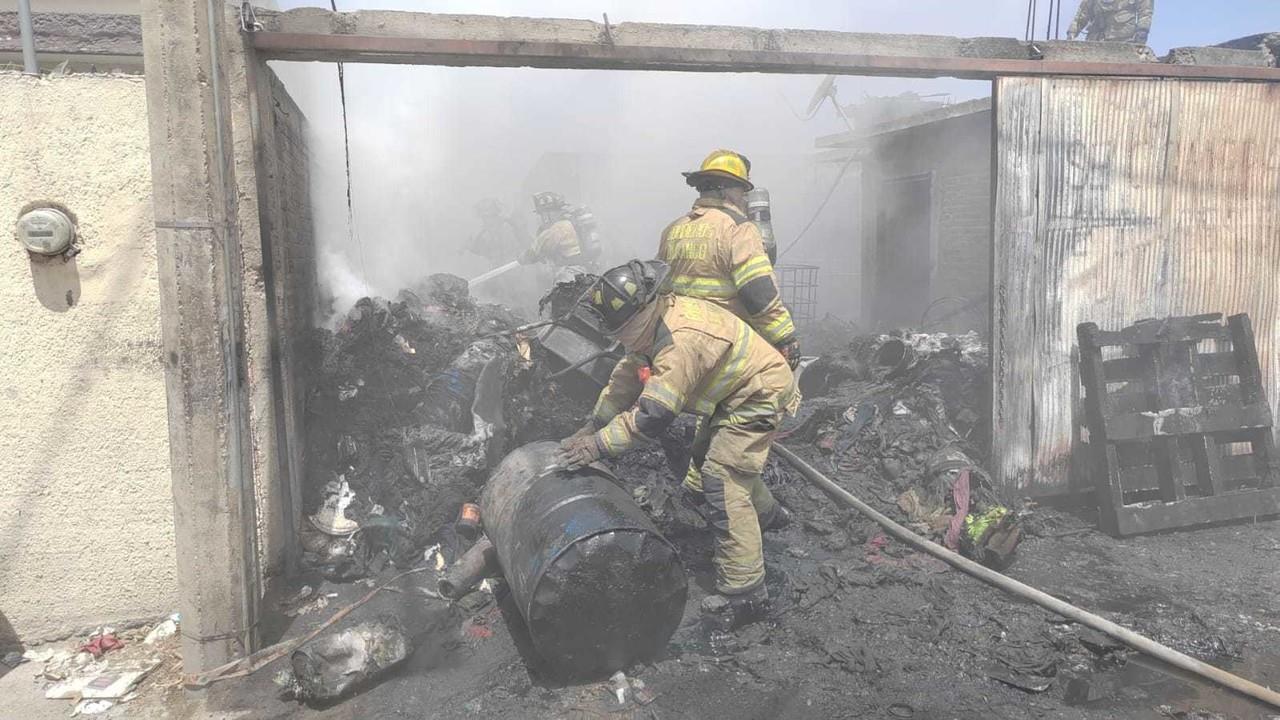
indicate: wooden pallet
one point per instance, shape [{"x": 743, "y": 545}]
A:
[{"x": 1179, "y": 430}]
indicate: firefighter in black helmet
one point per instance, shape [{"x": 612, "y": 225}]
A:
[
  {"x": 567, "y": 237},
  {"x": 686, "y": 354}
]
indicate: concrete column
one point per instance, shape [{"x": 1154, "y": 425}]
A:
[{"x": 199, "y": 252}]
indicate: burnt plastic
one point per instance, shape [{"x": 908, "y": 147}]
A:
[
  {"x": 598, "y": 586},
  {"x": 576, "y": 339}
]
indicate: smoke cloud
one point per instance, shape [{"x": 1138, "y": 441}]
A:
[{"x": 428, "y": 143}]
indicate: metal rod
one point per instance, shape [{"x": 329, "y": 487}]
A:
[
  {"x": 1022, "y": 590},
  {"x": 580, "y": 363},
  {"x": 514, "y": 53},
  {"x": 29, "y": 64}
]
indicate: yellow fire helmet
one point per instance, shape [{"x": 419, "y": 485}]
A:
[{"x": 725, "y": 164}]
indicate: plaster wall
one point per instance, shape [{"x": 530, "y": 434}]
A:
[{"x": 86, "y": 511}]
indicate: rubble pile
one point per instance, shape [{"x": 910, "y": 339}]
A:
[
  {"x": 905, "y": 420},
  {"x": 412, "y": 402}
]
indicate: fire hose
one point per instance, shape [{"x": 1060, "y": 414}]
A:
[{"x": 1003, "y": 582}]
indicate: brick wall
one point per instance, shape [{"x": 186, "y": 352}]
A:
[{"x": 956, "y": 154}]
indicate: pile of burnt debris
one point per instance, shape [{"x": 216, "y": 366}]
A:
[
  {"x": 904, "y": 420},
  {"x": 414, "y": 400}
]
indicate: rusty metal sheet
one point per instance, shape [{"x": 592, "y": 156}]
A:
[{"x": 1119, "y": 200}]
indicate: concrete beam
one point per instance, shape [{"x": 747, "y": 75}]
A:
[
  {"x": 1218, "y": 56},
  {"x": 1265, "y": 42},
  {"x": 76, "y": 34},
  {"x": 311, "y": 34},
  {"x": 199, "y": 254}
]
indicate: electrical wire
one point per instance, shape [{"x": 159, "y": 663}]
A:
[
  {"x": 352, "y": 235},
  {"x": 822, "y": 205},
  {"x": 1048, "y": 20}
]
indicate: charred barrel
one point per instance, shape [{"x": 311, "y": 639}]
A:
[{"x": 598, "y": 586}]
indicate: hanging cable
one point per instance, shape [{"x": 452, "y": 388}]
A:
[
  {"x": 1057, "y": 22},
  {"x": 1026, "y": 29},
  {"x": 352, "y": 235},
  {"x": 1048, "y": 21},
  {"x": 823, "y": 204}
]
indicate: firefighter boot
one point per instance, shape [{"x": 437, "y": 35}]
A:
[{"x": 726, "y": 613}]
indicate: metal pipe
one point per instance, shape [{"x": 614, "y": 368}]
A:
[
  {"x": 580, "y": 363},
  {"x": 474, "y": 565},
  {"x": 1044, "y": 600},
  {"x": 29, "y": 64}
]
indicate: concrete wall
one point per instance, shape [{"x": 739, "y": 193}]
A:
[
  {"x": 86, "y": 514},
  {"x": 132, "y": 7},
  {"x": 956, "y": 154}
]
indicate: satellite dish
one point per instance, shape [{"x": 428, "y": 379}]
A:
[{"x": 825, "y": 89}]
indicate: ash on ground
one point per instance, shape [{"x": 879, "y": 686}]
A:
[{"x": 864, "y": 626}]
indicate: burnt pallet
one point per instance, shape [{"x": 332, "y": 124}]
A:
[{"x": 1178, "y": 425}]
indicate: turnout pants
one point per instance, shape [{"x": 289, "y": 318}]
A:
[{"x": 726, "y": 467}]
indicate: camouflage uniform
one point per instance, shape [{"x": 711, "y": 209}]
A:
[{"x": 1113, "y": 20}]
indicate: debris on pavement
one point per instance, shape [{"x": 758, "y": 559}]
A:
[
  {"x": 108, "y": 683},
  {"x": 101, "y": 644},
  {"x": 165, "y": 628},
  {"x": 92, "y": 707}
]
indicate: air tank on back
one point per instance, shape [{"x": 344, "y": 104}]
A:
[
  {"x": 599, "y": 587},
  {"x": 760, "y": 213}
]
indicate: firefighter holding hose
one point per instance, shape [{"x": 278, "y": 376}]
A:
[
  {"x": 567, "y": 237},
  {"x": 689, "y": 354}
]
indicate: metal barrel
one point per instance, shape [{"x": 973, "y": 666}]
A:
[{"x": 599, "y": 587}]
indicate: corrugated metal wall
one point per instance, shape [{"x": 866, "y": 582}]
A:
[{"x": 1118, "y": 200}]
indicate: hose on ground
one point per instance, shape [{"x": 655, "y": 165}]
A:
[{"x": 1003, "y": 582}]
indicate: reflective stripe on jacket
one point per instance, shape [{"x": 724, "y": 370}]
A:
[
  {"x": 706, "y": 361},
  {"x": 716, "y": 254}
]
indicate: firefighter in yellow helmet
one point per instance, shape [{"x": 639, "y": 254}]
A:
[
  {"x": 717, "y": 254},
  {"x": 700, "y": 358}
]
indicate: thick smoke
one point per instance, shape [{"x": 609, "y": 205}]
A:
[{"x": 428, "y": 143}]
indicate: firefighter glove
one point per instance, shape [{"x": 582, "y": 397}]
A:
[
  {"x": 790, "y": 350},
  {"x": 579, "y": 452},
  {"x": 585, "y": 431}
]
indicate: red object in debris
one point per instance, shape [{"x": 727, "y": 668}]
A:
[
  {"x": 99, "y": 645},
  {"x": 960, "y": 494},
  {"x": 644, "y": 373}
]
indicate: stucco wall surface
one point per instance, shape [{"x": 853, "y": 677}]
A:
[{"x": 86, "y": 513}]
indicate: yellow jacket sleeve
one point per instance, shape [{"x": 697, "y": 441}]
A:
[
  {"x": 622, "y": 391},
  {"x": 753, "y": 276},
  {"x": 677, "y": 370}
]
